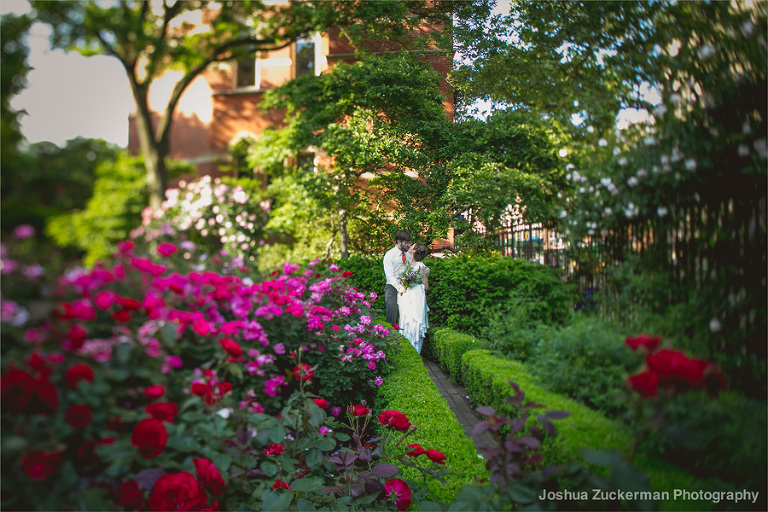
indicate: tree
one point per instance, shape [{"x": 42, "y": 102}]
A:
[
  {"x": 13, "y": 74},
  {"x": 149, "y": 38},
  {"x": 381, "y": 114}
]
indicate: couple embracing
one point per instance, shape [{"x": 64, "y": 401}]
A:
[{"x": 405, "y": 292}]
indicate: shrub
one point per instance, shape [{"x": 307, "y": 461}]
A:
[
  {"x": 145, "y": 366},
  {"x": 367, "y": 276},
  {"x": 487, "y": 381},
  {"x": 449, "y": 346},
  {"x": 464, "y": 289},
  {"x": 409, "y": 389},
  {"x": 588, "y": 361},
  {"x": 513, "y": 330}
]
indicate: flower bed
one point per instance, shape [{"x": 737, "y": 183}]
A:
[{"x": 154, "y": 385}]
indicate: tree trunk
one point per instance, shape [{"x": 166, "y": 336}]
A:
[
  {"x": 153, "y": 151},
  {"x": 343, "y": 235}
]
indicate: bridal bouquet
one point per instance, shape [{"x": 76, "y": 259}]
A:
[{"x": 410, "y": 277}]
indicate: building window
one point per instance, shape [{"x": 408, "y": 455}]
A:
[
  {"x": 305, "y": 57},
  {"x": 245, "y": 73}
]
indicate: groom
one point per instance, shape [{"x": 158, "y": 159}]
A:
[{"x": 394, "y": 265}]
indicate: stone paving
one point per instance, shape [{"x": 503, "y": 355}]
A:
[{"x": 457, "y": 399}]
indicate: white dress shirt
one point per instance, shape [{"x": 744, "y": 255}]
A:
[{"x": 394, "y": 266}]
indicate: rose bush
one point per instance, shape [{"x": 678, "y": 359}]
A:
[{"x": 155, "y": 383}]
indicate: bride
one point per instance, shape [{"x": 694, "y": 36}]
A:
[{"x": 412, "y": 303}]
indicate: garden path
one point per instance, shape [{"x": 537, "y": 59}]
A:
[{"x": 458, "y": 401}]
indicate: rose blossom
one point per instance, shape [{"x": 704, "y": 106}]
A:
[
  {"x": 303, "y": 372},
  {"x": 209, "y": 476},
  {"x": 281, "y": 484},
  {"x": 77, "y": 373},
  {"x": 163, "y": 411},
  {"x": 39, "y": 465},
  {"x": 231, "y": 347},
  {"x": 177, "y": 491},
  {"x": 154, "y": 391},
  {"x": 436, "y": 456},
  {"x": 649, "y": 343},
  {"x": 358, "y": 410},
  {"x": 398, "y": 492},
  {"x": 274, "y": 449},
  {"x": 645, "y": 383},
  {"x": 78, "y": 416},
  {"x": 416, "y": 451},
  {"x": 394, "y": 419},
  {"x": 129, "y": 495},
  {"x": 150, "y": 437},
  {"x": 321, "y": 403}
]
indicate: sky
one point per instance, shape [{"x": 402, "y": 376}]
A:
[{"x": 68, "y": 95}]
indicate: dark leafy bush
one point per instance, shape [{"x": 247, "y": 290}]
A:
[
  {"x": 464, "y": 290},
  {"x": 588, "y": 361},
  {"x": 367, "y": 276},
  {"x": 514, "y": 328},
  {"x": 724, "y": 437}
]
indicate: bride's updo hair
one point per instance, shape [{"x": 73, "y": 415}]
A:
[{"x": 420, "y": 252}]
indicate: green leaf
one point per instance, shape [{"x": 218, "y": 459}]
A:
[
  {"x": 521, "y": 493},
  {"x": 305, "y": 505},
  {"x": 236, "y": 370},
  {"x": 269, "y": 467},
  {"x": 277, "y": 434},
  {"x": 326, "y": 444},
  {"x": 274, "y": 500},
  {"x": 306, "y": 484},
  {"x": 169, "y": 334},
  {"x": 314, "y": 458}
]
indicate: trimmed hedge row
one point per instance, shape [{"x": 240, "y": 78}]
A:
[
  {"x": 449, "y": 347},
  {"x": 487, "y": 377},
  {"x": 410, "y": 390}
]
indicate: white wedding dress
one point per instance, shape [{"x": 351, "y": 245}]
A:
[{"x": 413, "y": 312}]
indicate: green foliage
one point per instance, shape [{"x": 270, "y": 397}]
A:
[
  {"x": 50, "y": 180},
  {"x": 588, "y": 361},
  {"x": 449, "y": 346},
  {"x": 409, "y": 390},
  {"x": 725, "y": 437},
  {"x": 513, "y": 329},
  {"x": 463, "y": 289},
  {"x": 487, "y": 379},
  {"x": 119, "y": 196},
  {"x": 367, "y": 276},
  {"x": 13, "y": 30}
]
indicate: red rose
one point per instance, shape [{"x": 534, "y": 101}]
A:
[
  {"x": 38, "y": 465},
  {"x": 358, "y": 410},
  {"x": 78, "y": 416},
  {"x": 394, "y": 419},
  {"x": 674, "y": 368},
  {"x": 163, "y": 411},
  {"x": 130, "y": 496},
  {"x": 77, "y": 336},
  {"x": 346, "y": 274},
  {"x": 129, "y": 303},
  {"x": 166, "y": 249},
  {"x": 150, "y": 437},
  {"x": 303, "y": 371},
  {"x": 231, "y": 347},
  {"x": 398, "y": 492},
  {"x": 649, "y": 343},
  {"x": 177, "y": 491},
  {"x": 77, "y": 373},
  {"x": 223, "y": 388},
  {"x": 417, "y": 450},
  {"x": 121, "y": 316},
  {"x": 154, "y": 391},
  {"x": 396, "y": 327},
  {"x": 45, "y": 397},
  {"x": 281, "y": 484},
  {"x": 16, "y": 389},
  {"x": 204, "y": 391},
  {"x": 645, "y": 383},
  {"x": 436, "y": 456},
  {"x": 321, "y": 403},
  {"x": 274, "y": 449},
  {"x": 209, "y": 476}
]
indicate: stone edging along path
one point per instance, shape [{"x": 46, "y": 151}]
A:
[{"x": 457, "y": 399}]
